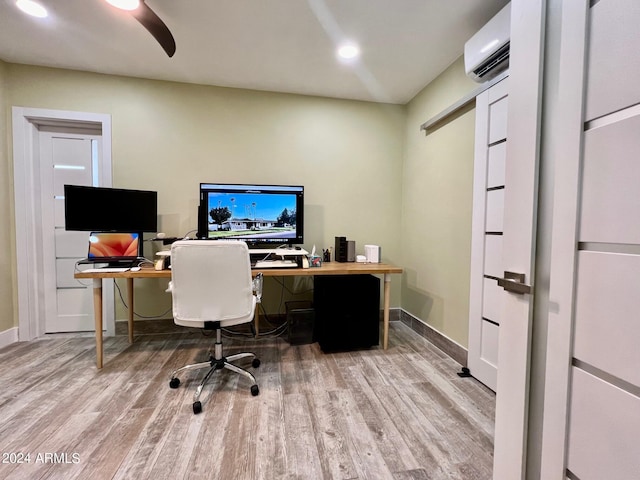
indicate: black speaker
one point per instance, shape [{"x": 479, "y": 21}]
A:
[
  {"x": 341, "y": 250},
  {"x": 351, "y": 251},
  {"x": 347, "y": 311}
]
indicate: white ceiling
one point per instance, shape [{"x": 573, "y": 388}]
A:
[{"x": 273, "y": 45}]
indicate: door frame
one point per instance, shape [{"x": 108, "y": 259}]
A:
[
  {"x": 524, "y": 120},
  {"x": 25, "y": 124},
  {"x": 572, "y": 54}
]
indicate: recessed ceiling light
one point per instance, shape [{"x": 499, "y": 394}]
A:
[
  {"x": 349, "y": 51},
  {"x": 125, "y": 4},
  {"x": 32, "y": 8}
]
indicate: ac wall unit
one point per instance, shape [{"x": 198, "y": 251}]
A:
[{"x": 486, "y": 54}]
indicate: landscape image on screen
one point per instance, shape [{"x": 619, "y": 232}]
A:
[{"x": 251, "y": 215}]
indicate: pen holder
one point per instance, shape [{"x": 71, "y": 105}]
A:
[{"x": 315, "y": 261}]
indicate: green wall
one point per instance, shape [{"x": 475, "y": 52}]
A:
[
  {"x": 437, "y": 187},
  {"x": 170, "y": 137}
]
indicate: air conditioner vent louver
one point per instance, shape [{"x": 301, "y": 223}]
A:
[{"x": 493, "y": 61}]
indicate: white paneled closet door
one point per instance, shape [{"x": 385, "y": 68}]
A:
[
  {"x": 592, "y": 409},
  {"x": 486, "y": 297}
]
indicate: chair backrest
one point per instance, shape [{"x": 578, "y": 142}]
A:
[{"x": 211, "y": 281}]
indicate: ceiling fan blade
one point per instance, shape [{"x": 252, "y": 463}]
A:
[{"x": 156, "y": 27}]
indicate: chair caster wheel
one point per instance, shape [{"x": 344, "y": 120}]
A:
[
  {"x": 197, "y": 407},
  {"x": 255, "y": 390},
  {"x": 255, "y": 363},
  {"x": 174, "y": 383}
]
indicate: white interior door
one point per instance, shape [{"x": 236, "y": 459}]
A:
[
  {"x": 591, "y": 425},
  {"x": 37, "y": 219},
  {"x": 67, "y": 156},
  {"x": 485, "y": 296}
]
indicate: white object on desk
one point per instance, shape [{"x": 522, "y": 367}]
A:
[
  {"x": 372, "y": 253},
  {"x": 162, "y": 260}
]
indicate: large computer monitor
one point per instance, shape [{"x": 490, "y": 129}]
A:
[
  {"x": 100, "y": 209},
  {"x": 257, "y": 214}
]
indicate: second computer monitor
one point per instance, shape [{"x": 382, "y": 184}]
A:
[{"x": 257, "y": 214}]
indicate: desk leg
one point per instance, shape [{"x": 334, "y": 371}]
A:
[
  {"x": 130, "y": 299},
  {"x": 387, "y": 293},
  {"x": 256, "y": 320},
  {"x": 97, "y": 314}
]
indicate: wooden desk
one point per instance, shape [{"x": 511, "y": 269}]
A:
[{"x": 333, "y": 268}]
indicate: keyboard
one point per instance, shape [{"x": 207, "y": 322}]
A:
[
  {"x": 106, "y": 270},
  {"x": 275, "y": 264}
]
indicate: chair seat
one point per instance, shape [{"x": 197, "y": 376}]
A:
[{"x": 224, "y": 322}]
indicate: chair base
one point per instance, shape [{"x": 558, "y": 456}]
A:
[{"x": 217, "y": 362}]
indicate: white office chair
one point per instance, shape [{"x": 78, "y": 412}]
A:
[{"x": 212, "y": 288}]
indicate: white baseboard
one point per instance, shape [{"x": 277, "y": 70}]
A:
[{"x": 8, "y": 337}]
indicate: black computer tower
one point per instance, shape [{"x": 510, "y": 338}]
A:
[
  {"x": 300, "y": 322},
  {"x": 347, "y": 311}
]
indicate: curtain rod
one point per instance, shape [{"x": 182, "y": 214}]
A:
[{"x": 430, "y": 124}]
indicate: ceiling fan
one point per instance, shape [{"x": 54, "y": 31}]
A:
[{"x": 149, "y": 20}]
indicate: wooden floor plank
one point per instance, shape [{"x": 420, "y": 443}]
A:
[
  {"x": 301, "y": 451},
  {"x": 331, "y": 436},
  {"x": 270, "y": 435},
  {"x": 381, "y": 424},
  {"x": 361, "y": 444}
]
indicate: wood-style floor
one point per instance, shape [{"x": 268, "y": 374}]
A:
[{"x": 397, "y": 414}]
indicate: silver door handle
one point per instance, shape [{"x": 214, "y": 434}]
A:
[{"x": 514, "y": 282}]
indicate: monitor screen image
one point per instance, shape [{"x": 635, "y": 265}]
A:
[
  {"x": 93, "y": 209},
  {"x": 254, "y": 213},
  {"x": 110, "y": 246}
]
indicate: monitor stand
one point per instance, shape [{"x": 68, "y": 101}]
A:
[
  {"x": 287, "y": 256},
  {"x": 285, "y": 251}
]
